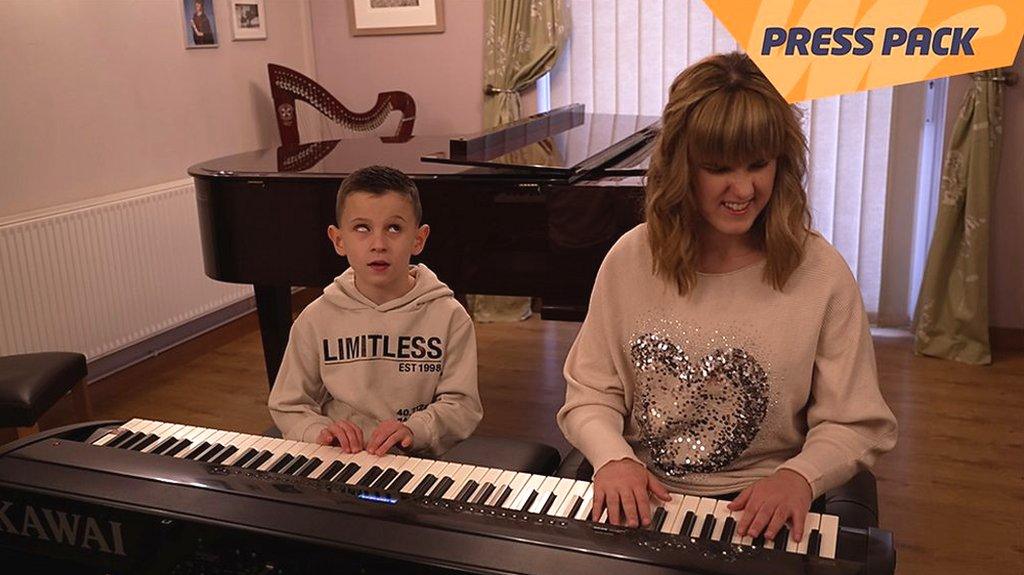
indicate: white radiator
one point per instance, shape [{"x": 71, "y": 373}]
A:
[{"x": 102, "y": 275}]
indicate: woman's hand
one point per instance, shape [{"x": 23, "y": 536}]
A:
[
  {"x": 622, "y": 487},
  {"x": 388, "y": 434},
  {"x": 772, "y": 501},
  {"x": 344, "y": 434}
]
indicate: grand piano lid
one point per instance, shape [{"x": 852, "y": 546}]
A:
[{"x": 560, "y": 157}]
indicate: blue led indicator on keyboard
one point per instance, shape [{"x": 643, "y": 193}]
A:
[{"x": 378, "y": 498}]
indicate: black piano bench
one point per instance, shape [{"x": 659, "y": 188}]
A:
[
  {"x": 31, "y": 383},
  {"x": 505, "y": 453},
  {"x": 854, "y": 502}
]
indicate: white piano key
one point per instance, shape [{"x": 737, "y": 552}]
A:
[
  {"x": 500, "y": 485},
  {"x": 575, "y": 492},
  {"x": 242, "y": 445},
  {"x": 477, "y": 475},
  {"x": 162, "y": 431},
  {"x": 561, "y": 493},
  {"x": 175, "y": 431},
  {"x": 277, "y": 449},
  {"x": 257, "y": 445},
  {"x": 737, "y": 539},
  {"x": 490, "y": 477},
  {"x": 721, "y": 514},
  {"x": 671, "y": 512},
  {"x": 329, "y": 454},
  {"x": 531, "y": 485},
  {"x": 707, "y": 505},
  {"x": 211, "y": 439},
  {"x": 458, "y": 480},
  {"x": 419, "y": 471},
  {"x": 129, "y": 425},
  {"x": 584, "y": 512},
  {"x": 543, "y": 492},
  {"x": 829, "y": 528},
  {"x": 690, "y": 503},
  {"x": 812, "y": 522},
  {"x": 194, "y": 436},
  {"x": 516, "y": 485}
]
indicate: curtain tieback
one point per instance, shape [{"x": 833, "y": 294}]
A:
[{"x": 492, "y": 90}]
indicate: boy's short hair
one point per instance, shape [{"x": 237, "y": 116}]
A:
[{"x": 379, "y": 180}]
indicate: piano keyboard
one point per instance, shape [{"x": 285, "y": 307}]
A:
[{"x": 507, "y": 491}]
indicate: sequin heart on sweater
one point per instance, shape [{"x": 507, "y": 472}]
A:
[{"x": 696, "y": 417}]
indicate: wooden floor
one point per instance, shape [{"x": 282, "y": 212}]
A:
[{"x": 952, "y": 491}]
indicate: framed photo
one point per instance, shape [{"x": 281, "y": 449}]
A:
[
  {"x": 200, "y": 25},
  {"x": 380, "y": 17},
  {"x": 248, "y": 19}
]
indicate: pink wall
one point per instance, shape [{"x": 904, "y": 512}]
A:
[
  {"x": 443, "y": 72},
  {"x": 1006, "y": 263},
  {"x": 103, "y": 97}
]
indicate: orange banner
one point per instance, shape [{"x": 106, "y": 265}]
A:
[{"x": 816, "y": 48}]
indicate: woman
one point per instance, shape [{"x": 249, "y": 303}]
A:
[{"x": 726, "y": 348}]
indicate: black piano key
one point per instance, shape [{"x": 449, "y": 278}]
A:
[
  {"x": 689, "y": 520},
  {"x": 708, "y": 527},
  {"x": 505, "y": 493},
  {"x": 150, "y": 440},
  {"x": 728, "y": 530},
  {"x": 281, "y": 463},
  {"x": 121, "y": 438},
  {"x": 332, "y": 470},
  {"x": 782, "y": 538},
  {"x": 529, "y": 500},
  {"x": 199, "y": 449},
  {"x": 385, "y": 479},
  {"x": 658, "y": 519},
  {"x": 248, "y": 455},
  {"x": 211, "y": 452},
  {"x": 758, "y": 541},
  {"x": 484, "y": 494},
  {"x": 467, "y": 490},
  {"x": 346, "y": 473},
  {"x": 371, "y": 474},
  {"x": 547, "y": 504},
  {"x": 575, "y": 507},
  {"x": 814, "y": 543},
  {"x": 424, "y": 485},
  {"x": 164, "y": 445},
  {"x": 132, "y": 440},
  {"x": 401, "y": 481},
  {"x": 308, "y": 468},
  {"x": 178, "y": 447},
  {"x": 259, "y": 460},
  {"x": 295, "y": 465},
  {"x": 220, "y": 457},
  {"x": 442, "y": 487}
]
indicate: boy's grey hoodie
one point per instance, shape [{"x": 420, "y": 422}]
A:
[{"x": 412, "y": 359}]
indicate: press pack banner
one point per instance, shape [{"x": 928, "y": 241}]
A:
[{"x": 816, "y": 48}]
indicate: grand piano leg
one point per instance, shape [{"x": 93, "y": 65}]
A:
[{"x": 274, "y": 307}]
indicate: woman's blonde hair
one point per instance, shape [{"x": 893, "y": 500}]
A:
[{"x": 723, "y": 111}]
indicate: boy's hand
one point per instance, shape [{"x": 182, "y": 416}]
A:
[
  {"x": 769, "y": 503},
  {"x": 387, "y": 435},
  {"x": 343, "y": 433},
  {"x": 622, "y": 487}
]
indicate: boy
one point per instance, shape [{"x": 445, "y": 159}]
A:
[{"x": 386, "y": 356}]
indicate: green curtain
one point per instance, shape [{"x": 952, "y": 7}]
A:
[
  {"x": 522, "y": 41},
  {"x": 951, "y": 319}
]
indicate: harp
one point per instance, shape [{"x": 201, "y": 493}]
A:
[{"x": 287, "y": 85}]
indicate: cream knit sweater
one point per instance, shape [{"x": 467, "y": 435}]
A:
[{"x": 717, "y": 389}]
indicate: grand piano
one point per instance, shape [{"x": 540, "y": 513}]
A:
[{"x": 529, "y": 208}]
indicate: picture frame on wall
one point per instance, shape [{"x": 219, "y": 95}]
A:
[
  {"x": 384, "y": 17},
  {"x": 200, "y": 25},
  {"x": 248, "y": 19}
]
